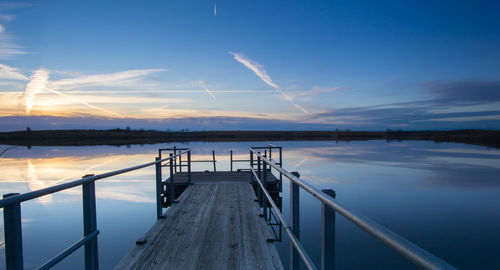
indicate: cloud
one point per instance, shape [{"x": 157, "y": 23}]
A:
[
  {"x": 202, "y": 85},
  {"x": 38, "y": 82},
  {"x": 7, "y": 18},
  {"x": 8, "y": 48},
  {"x": 174, "y": 123},
  {"x": 418, "y": 114},
  {"x": 316, "y": 90},
  {"x": 215, "y": 9},
  {"x": 123, "y": 78},
  {"x": 11, "y": 73},
  {"x": 468, "y": 91},
  {"x": 259, "y": 70}
]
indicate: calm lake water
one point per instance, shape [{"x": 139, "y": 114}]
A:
[{"x": 443, "y": 197}]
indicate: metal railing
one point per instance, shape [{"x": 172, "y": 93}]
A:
[
  {"x": 178, "y": 167},
  {"x": 11, "y": 204},
  {"x": 405, "y": 248}
]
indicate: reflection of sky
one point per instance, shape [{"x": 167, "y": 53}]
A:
[{"x": 433, "y": 194}]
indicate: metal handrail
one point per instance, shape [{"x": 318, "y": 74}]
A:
[
  {"x": 296, "y": 243},
  {"x": 12, "y": 215},
  {"x": 46, "y": 191},
  {"x": 407, "y": 249}
]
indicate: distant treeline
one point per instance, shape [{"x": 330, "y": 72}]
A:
[{"x": 126, "y": 136}]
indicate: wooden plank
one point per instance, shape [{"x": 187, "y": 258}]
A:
[{"x": 214, "y": 226}]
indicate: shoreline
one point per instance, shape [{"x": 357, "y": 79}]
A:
[{"x": 490, "y": 138}]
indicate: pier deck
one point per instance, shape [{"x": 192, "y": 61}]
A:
[{"x": 215, "y": 225}]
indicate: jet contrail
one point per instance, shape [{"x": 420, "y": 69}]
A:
[
  {"x": 259, "y": 70},
  {"x": 215, "y": 9},
  {"x": 38, "y": 84},
  {"x": 84, "y": 103},
  {"x": 208, "y": 91}
]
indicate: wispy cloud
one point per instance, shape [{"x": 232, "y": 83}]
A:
[
  {"x": 38, "y": 83},
  {"x": 123, "y": 78},
  {"x": 7, "y": 17},
  {"x": 259, "y": 70},
  {"x": 8, "y": 48},
  {"x": 11, "y": 73},
  {"x": 215, "y": 9},
  {"x": 202, "y": 85},
  {"x": 316, "y": 90}
]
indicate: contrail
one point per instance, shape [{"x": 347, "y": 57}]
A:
[
  {"x": 147, "y": 92},
  {"x": 259, "y": 70},
  {"x": 38, "y": 83},
  {"x": 208, "y": 91},
  {"x": 84, "y": 103},
  {"x": 215, "y": 9}
]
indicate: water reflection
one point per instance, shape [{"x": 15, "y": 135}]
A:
[{"x": 433, "y": 194}]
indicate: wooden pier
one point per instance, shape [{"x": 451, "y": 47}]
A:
[{"x": 215, "y": 224}]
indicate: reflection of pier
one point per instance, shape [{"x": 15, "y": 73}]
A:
[{"x": 213, "y": 220}]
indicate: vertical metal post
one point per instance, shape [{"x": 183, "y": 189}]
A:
[
  {"x": 294, "y": 221},
  {"x": 263, "y": 163},
  {"x": 231, "y": 157},
  {"x": 264, "y": 198},
  {"x": 259, "y": 174},
  {"x": 175, "y": 161},
  {"x": 90, "y": 224},
  {"x": 327, "y": 234},
  {"x": 13, "y": 234},
  {"x": 251, "y": 164},
  {"x": 172, "y": 193},
  {"x": 270, "y": 152},
  {"x": 159, "y": 189},
  {"x": 180, "y": 163},
  {"x": 189, "y": 166},
  {"x": 251, "y": 159},
  {"x": 281, "y": 175},
  {"x": 213, "y": 156}
]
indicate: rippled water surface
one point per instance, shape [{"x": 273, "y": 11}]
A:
[{"x": 444, "y": 197}]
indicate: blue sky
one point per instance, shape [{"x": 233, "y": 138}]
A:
[{"x": 365, "y": 65}]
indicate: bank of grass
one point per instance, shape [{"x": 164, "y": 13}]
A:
[{"x": 489, "y": 138}]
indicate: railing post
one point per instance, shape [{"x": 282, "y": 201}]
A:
[
  {"x": 281, "y": 175},
  {"x": 294, "y": 221},
  {"x": 251, "y": 164},
  {"x": 159, "y": 189},
  {"x": 270, "y": 152},
  {"x": 13, "y": 234},
  {"x": 189, "y": 165},
  {"x": 175, "y": 161},
  {"x": 172, "y": 193},
  {"x": 264, "y": 198},
  {"x": 327, "y": 234},
  {"x": 180, "y": 163},
  {"x": 251, "y": 159},
  {"x": 231, "y": 157},
  {"x": 90, "y": 224},
  {"x": 259, "y": 173},
  {"x": 213, "y": 156}
]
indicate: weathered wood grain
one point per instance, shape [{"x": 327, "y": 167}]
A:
[{"x": 215, "y": 225}]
